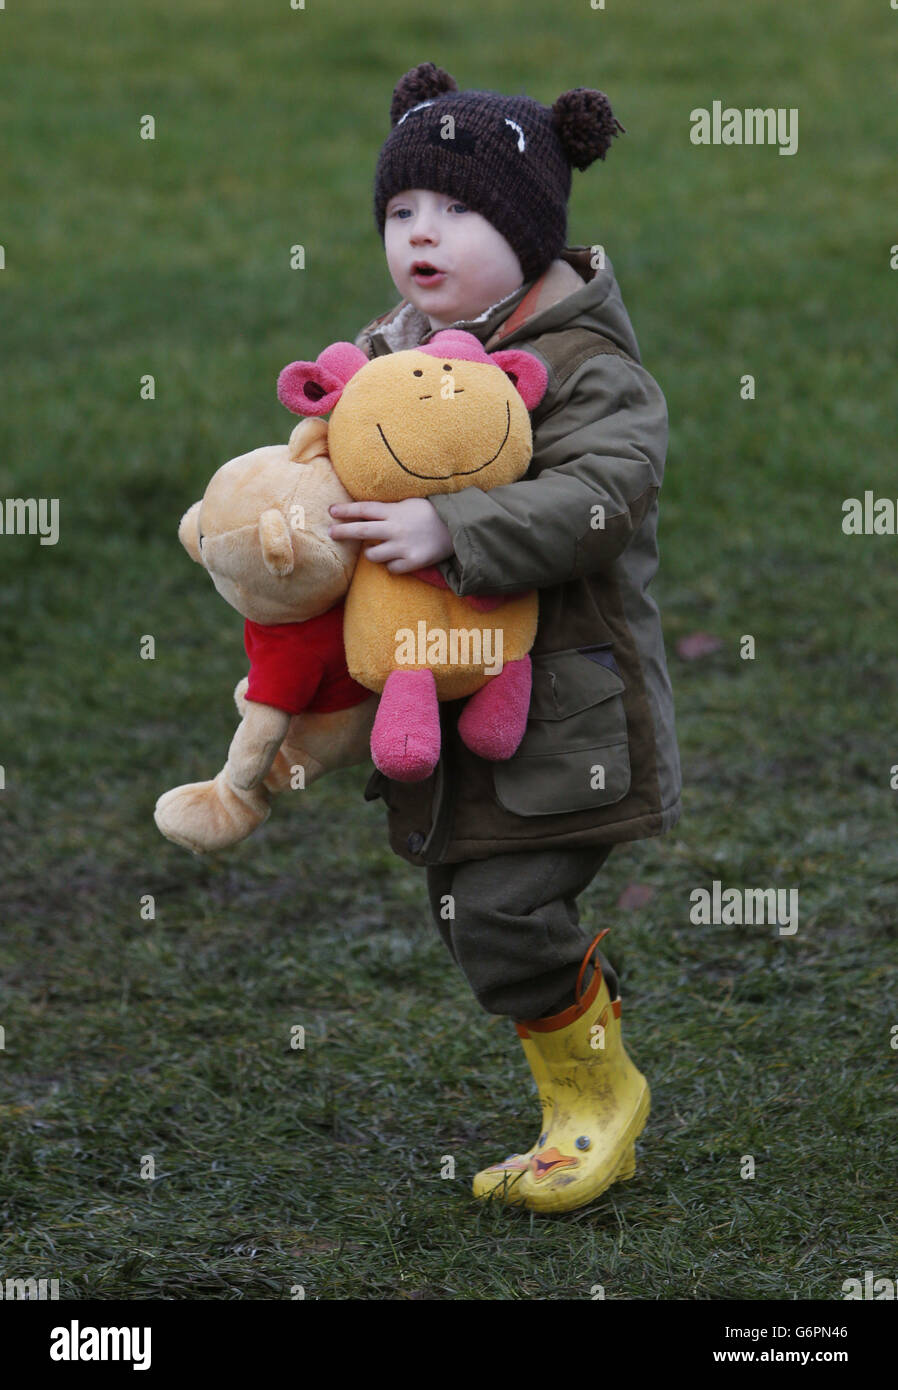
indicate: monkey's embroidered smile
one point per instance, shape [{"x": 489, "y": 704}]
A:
[{"x": 459, "y": 472}]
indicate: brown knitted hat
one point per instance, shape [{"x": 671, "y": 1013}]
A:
[{"x": 508, "y": 158}]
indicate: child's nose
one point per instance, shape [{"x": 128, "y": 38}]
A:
[{"x": 424, "y": 229}]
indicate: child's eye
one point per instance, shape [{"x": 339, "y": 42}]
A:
[
  {"x": 398, "y": 212},
  {"x": 458, "y": 205}
]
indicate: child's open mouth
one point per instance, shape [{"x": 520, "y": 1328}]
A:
[{"x": 423, "y": 273}]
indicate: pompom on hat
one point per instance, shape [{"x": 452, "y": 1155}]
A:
[{"x": 507, "y": 158}]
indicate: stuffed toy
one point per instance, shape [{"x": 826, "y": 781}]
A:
[
  {"x": 261, "y": 531},
  {"x": 433, "y": 419}
]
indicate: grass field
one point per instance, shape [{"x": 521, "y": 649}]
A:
[{"x": 127, "y": 1037}]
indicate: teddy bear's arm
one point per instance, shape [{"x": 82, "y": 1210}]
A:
[{"x": 254, "y": 746}]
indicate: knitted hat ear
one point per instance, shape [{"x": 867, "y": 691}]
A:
[
  {"x": 422, "y": 83},
  {"x": 586, "y": 125}
]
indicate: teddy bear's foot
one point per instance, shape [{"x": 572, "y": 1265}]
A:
[
  {"x": 405, "y": 739},
  {"x": 208, "y": 816},
  {"x": 493, "y": 721}
]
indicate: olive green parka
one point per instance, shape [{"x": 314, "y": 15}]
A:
[{"x": 599, "y": 761}]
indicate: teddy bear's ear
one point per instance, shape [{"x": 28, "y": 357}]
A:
[
  {"x": 526, "y": 372},
  {"x": 189, "y": 532},
  {"x": 277, "y": 543},
  {"x": 308, "y": 441}
]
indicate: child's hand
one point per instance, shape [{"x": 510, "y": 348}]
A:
[{"x": 410, "y": 533}]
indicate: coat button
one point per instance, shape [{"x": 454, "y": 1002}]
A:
[{"x": 415, "y": 842}]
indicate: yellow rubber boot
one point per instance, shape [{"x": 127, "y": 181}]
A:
[
  {"x": 501, "y": 1180},
  {"x": 600, "y": 1103}
]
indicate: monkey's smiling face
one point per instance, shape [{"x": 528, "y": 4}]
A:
[{"x": 411, "y": 424}]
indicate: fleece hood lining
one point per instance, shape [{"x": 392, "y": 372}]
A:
[
  {"x": 571, "y": 293},
  {"x": 410, "y": 325}
]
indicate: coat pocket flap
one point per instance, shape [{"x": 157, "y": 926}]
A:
[
  {"x": 559, "y": 782},
  {"x": 374, "y": 786},
  {"x": 564, "y": 683}
]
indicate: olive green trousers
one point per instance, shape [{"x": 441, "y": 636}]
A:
[{"x": 511, "y": 923}]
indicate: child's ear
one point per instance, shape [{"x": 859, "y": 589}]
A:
[{"x": 526, "y": 372}]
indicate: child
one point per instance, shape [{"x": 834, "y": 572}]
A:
[{"x": 471, "y": 197}]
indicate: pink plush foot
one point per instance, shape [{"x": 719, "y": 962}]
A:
[
  {"x": 405, "y": 739},
  {"x": 493, "y": 721}
]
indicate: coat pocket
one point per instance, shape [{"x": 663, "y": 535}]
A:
[{"x": 575, "y": 754}]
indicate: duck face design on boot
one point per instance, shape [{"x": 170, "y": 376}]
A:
[{"x": 598, "y": 1104}]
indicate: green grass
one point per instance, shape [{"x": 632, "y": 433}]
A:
[{"x": 126, "y": 1037}]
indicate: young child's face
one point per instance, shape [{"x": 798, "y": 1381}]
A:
[{"x": 475, "y": 264}]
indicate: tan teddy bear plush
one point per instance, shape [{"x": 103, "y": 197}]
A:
[
  {"x": 434, "y": 419},
  {"x": 261, "y": 531}
]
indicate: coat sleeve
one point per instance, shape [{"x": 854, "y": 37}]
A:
[{"x": 598, "y": 461}]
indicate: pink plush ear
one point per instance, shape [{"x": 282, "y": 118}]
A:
[
  {"x": 313, "y": 388},
  {"x": 526, "y": 371}
]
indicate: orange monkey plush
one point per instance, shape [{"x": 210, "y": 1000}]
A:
[{"x": 433, "y": 419}]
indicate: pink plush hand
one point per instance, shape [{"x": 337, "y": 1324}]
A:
[
  {"x": 484, "y": 603},
  {"x": 431, "y": 575},
  {"x": 481, "y": 603},
  {"x": 410, "y": 534}
]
